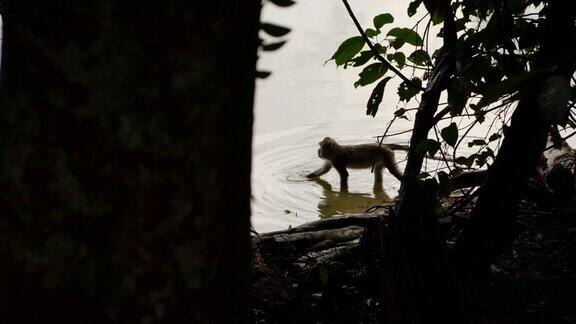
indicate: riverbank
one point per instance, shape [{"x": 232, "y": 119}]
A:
[{"x": 326, "y": 271}]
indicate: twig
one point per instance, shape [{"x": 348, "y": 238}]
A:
[
  {"x": 398, "y": 133},
  {"x": 382, "y": 139},
  {"x": 463, "y": 201},
  {"x": 375, "y": 51},
  {"x": 441, "y": 114},
  {"x": 563, "y": 140}
]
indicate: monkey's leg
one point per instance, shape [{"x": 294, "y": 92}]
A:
[
  {"x": 380, "y": 193},
  {"x": 343, "y": 176},
  {"x": 323, "y": 170},
  {"x": 391, "y": 165},
  {"x": 378, "y": 166}
]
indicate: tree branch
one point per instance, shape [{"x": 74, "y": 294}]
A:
[{"x": 375, "y": 51}]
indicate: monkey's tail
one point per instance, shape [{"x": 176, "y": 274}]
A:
[
  {"x": 402, "y": 147},
  {"x": 398, "y": 147}
]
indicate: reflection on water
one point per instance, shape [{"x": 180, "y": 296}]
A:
[
  {"x": 305, "y": 100},
  {"x": 336, "y": 202},
  {"x": 283, "y": 196}
]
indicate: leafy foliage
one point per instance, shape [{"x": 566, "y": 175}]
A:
[
  {"x": 450, "y": 134},
  {"x": 376, "y": 97},
  {"x": 273, "y": 46},
  {"x": 370, "y": 74},
  {"x": 429, "y": 146},
  {"x": 274, "y": 30},
  {"x": 348, "y": 49},
  {"x": 420, "y": 57},
  {"x": 283, "y": 3},
  {"x": 364, "y": 57},
  {"x": 495, "y": 54},
  {"x": 407, "y": 91},
  {"x": 554, "y": 97},
  {"x": 445, "y": 184},
  {"x": 383, "y": 19},
  {"x": 406, "y": 35},
  {"x": 371, "y": 32},
  {"x": 399, "y": 57},
  {"x": 413, "y": 7},
  {"x": 263, "y": 74}
]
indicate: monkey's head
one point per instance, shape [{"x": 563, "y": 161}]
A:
[{"x": 327, "y": 147}]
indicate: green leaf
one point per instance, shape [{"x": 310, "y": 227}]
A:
[
  {"x": 364, "y": 57},
  {"x": 376, "y": 97},
  {"x": 406, "y": 34},
  {"x": 407, "y": 91},
  {"x": 273, "y": 46},
  {"x": 553, "y": 99},
  {"x": 508, "y": 86},
  {"x": 489, "y": 152},
  {"x": 397, "y": 43},
  {"x": 429, "y": 146},
  {"x": 400, "y": 58},
  {"x": 274, "y": 30},
  {"x": 446, "y": 184},
  {"x": 379, "y": 48},
  {"x": 413, "y": 7},
  {"x": 456, "y": 171},
  {"x": 467, "y": 161},
  {"x": 400, "y": 112},
  {"x": 457, "y": 98},
  {"x": 477, "y": 142},
  {"x": 263, "y": 74},
  {"x": 420, "y": 57},
  {"x": 494, "y": 137},
  {"x": 382, "y": 20},
  {"x": 450, "y": 134},
  {"x": 430, "y": 189},
  {"x": 370, "y": 74},
  {"x": 348, "y": 49},
  {"x": 283, "y": 3},
  {"x": 423, "y": 175},
  {"x": 480, "y": 116},
  {"x": 371, "y": 32},
  {"x": 437, "y": 18}
]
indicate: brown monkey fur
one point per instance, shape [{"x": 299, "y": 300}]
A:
[{"x": 360, "y": 156}]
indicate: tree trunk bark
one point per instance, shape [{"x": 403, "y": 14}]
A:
[
  {"x": 125, "y": 165},
  {"x": 418, "y": 280}
]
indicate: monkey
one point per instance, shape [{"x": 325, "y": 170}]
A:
[{"x": 359, "y": 156}]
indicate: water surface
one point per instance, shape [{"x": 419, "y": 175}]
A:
[{"x": 306, "y": 100}]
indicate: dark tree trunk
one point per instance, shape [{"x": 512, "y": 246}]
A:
[
  {"x": 418, "y": 279},
  {"x": 125, "y": 144},
  {"x": 492, "y": 225}
]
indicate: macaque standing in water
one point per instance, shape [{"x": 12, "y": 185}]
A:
[{"x": 360, "y": 156}]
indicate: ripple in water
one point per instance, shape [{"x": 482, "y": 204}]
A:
[{"x": 283, "y": 196}]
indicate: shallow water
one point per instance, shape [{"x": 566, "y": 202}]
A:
[
  {"x": 306, "y": 100},
  {"x": 282, "y": 196}
]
